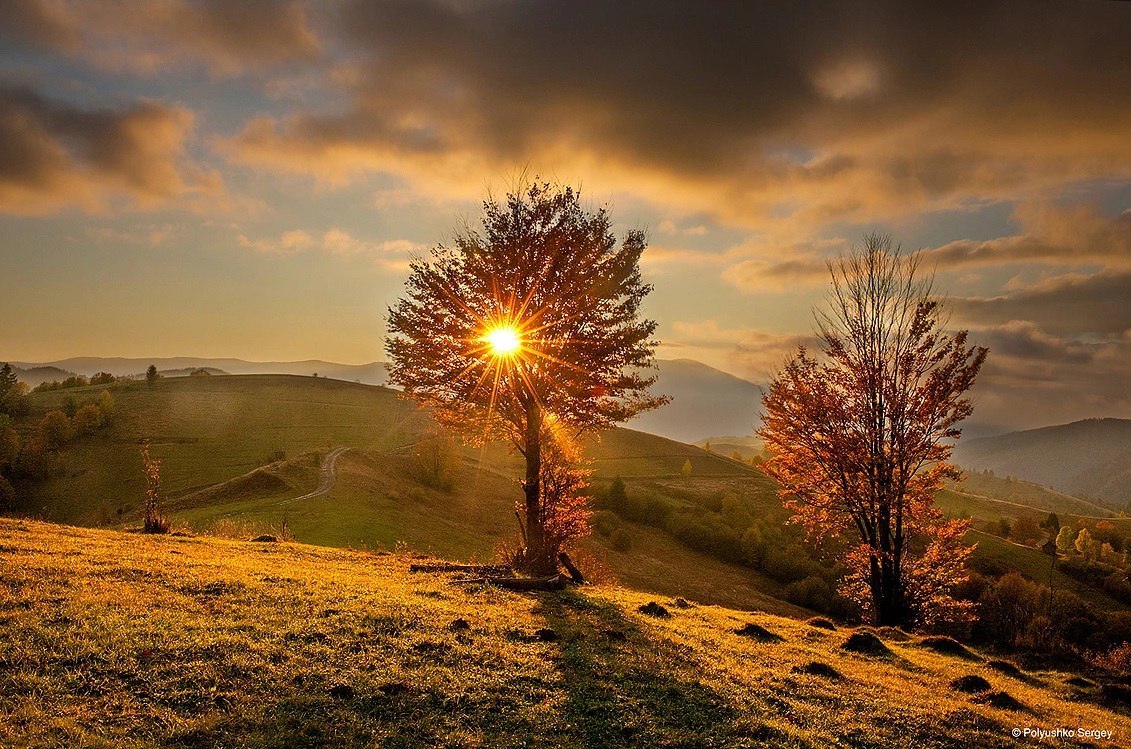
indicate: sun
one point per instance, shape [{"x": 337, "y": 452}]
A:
[{"x": 504, "y": 340}]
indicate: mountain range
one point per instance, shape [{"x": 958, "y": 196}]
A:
[{"x": 1090, "y": 458}]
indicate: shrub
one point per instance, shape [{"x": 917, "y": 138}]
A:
[
  {"x": 813, "y": 593},
  {"x": 88, "y": 419},
  {"x": 605, "y": 522},
  {"x": 1117, "y": 660},
  {"x": 56, "y": 429},
  {"x": 621, "y": 539}
]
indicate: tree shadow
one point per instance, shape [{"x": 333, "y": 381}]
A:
[{"x": 624, "y": 689}]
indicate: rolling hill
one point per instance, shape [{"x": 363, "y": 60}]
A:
[
  {"x": 113, "y": 639},
  {"x": 220, "y": 439},
  {"x": 370, "y": 374},
  {"x": 237, "y": 449},
  {"x": 705, "y": 401},
  {"x": 1090, "y": 458}
]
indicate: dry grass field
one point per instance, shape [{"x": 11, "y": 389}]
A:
[{"x": 110, "y": 639}]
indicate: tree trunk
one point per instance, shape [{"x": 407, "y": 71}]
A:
[{"x": 537, "y": 558}]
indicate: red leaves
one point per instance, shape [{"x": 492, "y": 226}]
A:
[{"x": 860, "y": 439}]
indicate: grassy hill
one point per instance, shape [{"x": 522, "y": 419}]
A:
[
  {"x": 112, "y": 639},
  {"x": 217, "y": 438},
  {"x": 1089, "y": 458}
]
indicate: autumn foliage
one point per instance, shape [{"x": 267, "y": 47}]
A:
[
  {"x": 528, "y": 330},
  {"x": 860, "y": 437}
]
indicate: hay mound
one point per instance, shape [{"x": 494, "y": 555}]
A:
[
  {"x": 971, "y": 684},
  {"x": 758, "y": 632},
  {"x": 866, "y": 643},
  {"x": 949, "y": 646}
]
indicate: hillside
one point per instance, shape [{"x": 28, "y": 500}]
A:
[
  {"x": 220, "y": 439},
  {"x": 705, "y": 401},
  {"x": 1090, "y": 458},
  {"x": 112, "y": 639},
  {"x": 373, "y": 373}
]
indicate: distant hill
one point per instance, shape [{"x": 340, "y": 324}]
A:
[
  {"x": 373, "y": 373},
  {"x": 1090, "y": 458},
  {"x": 705, "y": 402},
  {"x": 37, "y": 375}
]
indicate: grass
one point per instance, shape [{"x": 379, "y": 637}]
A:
[
  {"x": 123, "y": 640},
  {"x": 207, "y": 430}
]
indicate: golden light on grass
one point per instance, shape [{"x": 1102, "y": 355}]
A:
[{"x": 503, "y": 340}]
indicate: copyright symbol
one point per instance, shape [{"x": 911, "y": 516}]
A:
[{"x": 1016, "y": 733}]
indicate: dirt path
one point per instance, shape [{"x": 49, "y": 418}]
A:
[{"x": 329, "y": 473}]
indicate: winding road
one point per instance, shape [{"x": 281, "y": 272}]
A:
[{"x": 329, "y": 474}]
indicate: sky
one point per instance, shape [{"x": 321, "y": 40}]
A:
[{"x": 250, "y": 179}]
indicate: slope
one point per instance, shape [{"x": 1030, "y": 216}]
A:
[
  {"x": 1090, "y": 458},
  {"x": 112, "y": 639}
]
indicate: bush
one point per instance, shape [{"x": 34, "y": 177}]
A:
[
  {"x": 56, "y": 429},
  {"x": 88, "y": 419},
  {"x": 605, "y": 522},
  {"x": 813, "y": 593},
  {"x": 788, "y": 564},
  {"x": 621, "y": 539}
]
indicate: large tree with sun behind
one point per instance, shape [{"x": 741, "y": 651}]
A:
[{"x": 528, "y": 329}]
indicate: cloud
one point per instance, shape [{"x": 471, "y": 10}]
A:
[
  {"x": 153, "y": 235},
  {"x": 54, "y": 154},
  {"x": 848, "y": 111},
  {"x": 149, "y": 36},
  {"x": 1048, "y": 234},
  {"x": 338, "y": 243},
  {"x": 1071, "y": 305}
]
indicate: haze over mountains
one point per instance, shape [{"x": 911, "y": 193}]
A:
[{"x": 1090, "y": 458}]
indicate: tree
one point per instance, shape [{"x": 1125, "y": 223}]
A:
[
  {"x": 564, "y": 507},
  {"x": 533, "y": 319},
  {"x": 88, "y": 419},
  {"x": 437, "y": 459},
  {"x": 686, "y": 470},
  {"x": 102, "y": 378},
  {"x": 56, "y": 429},
  {"x": 860, "y": 440},
  {"x": 151, "y": 375},
  {"x": 1086, "y": 545},
  {"x": 1065, "y": 539},
  {"x": 12, "y": 392},
  {"x": 1051, "y": 523},
  {"x": 1026, "y": 531}
]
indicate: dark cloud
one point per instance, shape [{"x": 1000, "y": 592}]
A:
[
  {"x": 1070, "y": 305},
  {"x": 54, "y": 154},
  {"x": 825, "y": 110},
  {"x": 151, "y": 35},
  {"x": 1025, "y": 340}
]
